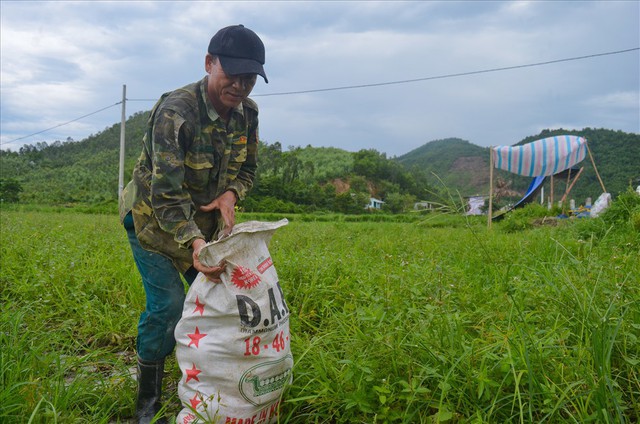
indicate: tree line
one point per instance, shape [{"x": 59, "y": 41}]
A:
[
  {"x": 305, "y": 179},
  {"x": 328, "y": 179},
  {"x": 295, "y": 180}
]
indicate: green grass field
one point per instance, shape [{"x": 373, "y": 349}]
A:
[{"x": 433, "y": 320}]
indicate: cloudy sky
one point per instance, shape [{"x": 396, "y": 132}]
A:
[{"x": 63, "y": 66}]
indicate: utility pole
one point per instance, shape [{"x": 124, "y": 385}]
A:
[
  {"x": 122, "y": 133},
  {"x": 490, "y": 213}
]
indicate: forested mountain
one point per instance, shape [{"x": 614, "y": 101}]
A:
[
  {"x": 70, "y": 171},
  {"x": 300, "y": 179},
  {"x": 465, "y": 166},
  {"x": 307, "y": 178},
  {"x": 616, "y": 155},
  {"x": 454, "y": 163}
]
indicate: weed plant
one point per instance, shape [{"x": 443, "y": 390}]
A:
[{"x": 428, "y": 321}]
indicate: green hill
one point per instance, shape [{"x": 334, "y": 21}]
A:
[
  {"x": 459, "y": 165},
  {"x": 616, "y": 155},
  {"x": 308, "y": 178},
  {"x": 465, "y": 167},
  {"x": 74, "y": 172}
]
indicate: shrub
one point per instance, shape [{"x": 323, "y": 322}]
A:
[
  {"x": 635, "y": 219},
  {"x": 524, "y": 218},
  {"x": 622, "y": 216},
  {"x": 621, "y": 210}
]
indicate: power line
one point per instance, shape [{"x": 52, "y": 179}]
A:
[
  {"x": 506, "y": 68},
  {"x": 63, "y": 124},
  {"x": 484, "y": 71},
  {"x": 350, "y": 87}
]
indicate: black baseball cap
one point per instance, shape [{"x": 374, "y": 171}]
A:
[{"x": 239, "y": 50}]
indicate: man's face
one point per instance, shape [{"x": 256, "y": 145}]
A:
[{"x": 226, "y": 91}]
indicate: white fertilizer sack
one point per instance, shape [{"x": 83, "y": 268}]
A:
[
  {"x": 602, "y": 203},
  {"x": 233, "y": 342}
]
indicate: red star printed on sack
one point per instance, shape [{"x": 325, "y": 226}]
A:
[
  {"x": 195, "y": 337},
  {"x": 195, "y": 401},
  {"x": 199, "y": 306},
  {"x": 244, "y": 278},
  {"x": 192, "y": 374}
]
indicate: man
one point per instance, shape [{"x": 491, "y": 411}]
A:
[{"x": 198, "y": 159}]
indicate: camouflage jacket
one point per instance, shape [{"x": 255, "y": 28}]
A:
[{"x": 189, "y": 157}]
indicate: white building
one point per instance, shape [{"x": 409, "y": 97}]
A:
[{"x": 375, "y": 204}]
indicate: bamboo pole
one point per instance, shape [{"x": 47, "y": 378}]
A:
[
  {"x": 490, "y": 187},
  {"x": 569, "y": 187},
  {"x": 122, "y": 140},
  {"x": 551, "y": 195},
  {"x": 604, "y": 190}
]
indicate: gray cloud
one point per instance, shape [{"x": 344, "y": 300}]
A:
[{"x": 63, "y": 60}]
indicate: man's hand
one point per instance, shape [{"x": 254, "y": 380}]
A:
[
  {"x": 226, "y": 203},
  {"x": 211, "y": 272}
]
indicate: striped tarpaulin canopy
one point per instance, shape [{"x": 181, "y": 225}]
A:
[{"x": 544, "y": 157}]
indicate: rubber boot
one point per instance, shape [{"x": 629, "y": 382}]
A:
[{"x": 150, "y": 375}]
